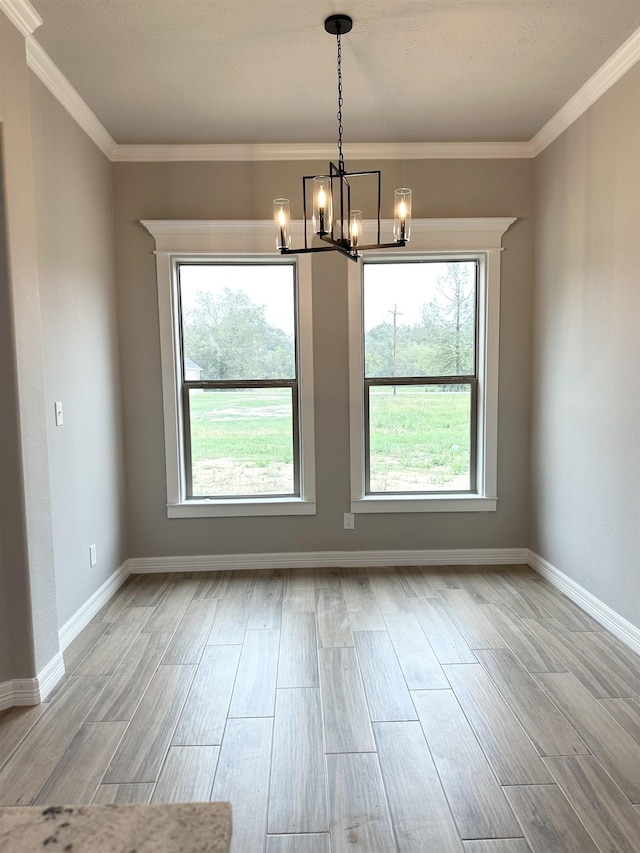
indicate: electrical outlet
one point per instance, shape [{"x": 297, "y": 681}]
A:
[
  {"x": 93, "y": 557},
  {"x": 59, "y": 416},
  {"x": 349, "y": 521}
]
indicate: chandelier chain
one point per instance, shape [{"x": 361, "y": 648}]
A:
[{"x": 340, "y": 103}]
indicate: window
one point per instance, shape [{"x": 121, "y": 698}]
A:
[
  {"x": 420, "y": 380},
  {"x": 235, "y": 334},
  {"x": 424, "y": 371},
  {"x": 239, "y": 379}
]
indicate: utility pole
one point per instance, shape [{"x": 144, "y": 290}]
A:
[{"x": 396, "y": 314}]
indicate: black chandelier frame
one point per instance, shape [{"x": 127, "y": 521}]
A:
[
  {"x": 340, "y": 241},
  {"x": 338, "y": 237}
]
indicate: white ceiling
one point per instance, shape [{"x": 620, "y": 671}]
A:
[{"x": 263, "y": 71}]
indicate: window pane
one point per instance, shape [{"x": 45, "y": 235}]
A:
[
  {"x": 241, "y": 442},
  {"x": 419, "y": 438},
  {"x": 420, "y": 318},
  {"x": 238, "y": 321}
]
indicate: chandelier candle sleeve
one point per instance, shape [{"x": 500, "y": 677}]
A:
[
  {"x": 322, "y": 212},
  {"x": 402, "y": 215},
  {"x": 355, "y": 227},
  {"x": 282, "y": 220}
]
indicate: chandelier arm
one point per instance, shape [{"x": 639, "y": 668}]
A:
[
  {"x": 396, "y": 243},
  {"x": 306, "y": 251},
  {"x": 344, "y": 248}
]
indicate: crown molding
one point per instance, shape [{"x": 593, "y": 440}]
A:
[
  {"x": 45, "y": 68},
  {"x": 323, "y": 151},
  {"x": 22, "y": 14},
  {"x": 604, "y": 78}
]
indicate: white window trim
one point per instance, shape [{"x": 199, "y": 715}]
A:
[
  {"x": 470, "y": 238},
  {"x": 220, "y": 241}
]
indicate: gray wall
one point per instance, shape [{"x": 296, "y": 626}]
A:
[
  {"x": 25, "y": 499},
  {"x": 585, "y": 517},
  {"x": 452, "y": 188},
  {"x": 74, "y": 212},
  {"x": 13, "y": 587}
]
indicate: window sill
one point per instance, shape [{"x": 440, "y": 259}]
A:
[
  {"x": 426, "y": 503},
  {"x": 238, "y": 508}
]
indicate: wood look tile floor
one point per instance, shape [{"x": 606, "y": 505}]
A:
[{"x": 449, "y": 709}]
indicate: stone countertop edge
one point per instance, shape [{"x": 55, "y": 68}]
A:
[{"x": 146, "y": 828}]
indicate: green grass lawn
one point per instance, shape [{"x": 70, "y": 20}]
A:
[
  {"x": 241, "y": 441},
  {"x": 419, "y": 439},
  {"x": 252, "y": 425}
]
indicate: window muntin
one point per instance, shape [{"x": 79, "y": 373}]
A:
[
  {"x": 240, "y": 395},
  {"x": 420, "y": 376}
]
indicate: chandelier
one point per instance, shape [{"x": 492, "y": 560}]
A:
[{"x": 333, "y": 219}]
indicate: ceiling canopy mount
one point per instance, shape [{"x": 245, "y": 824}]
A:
[{"x": 338, "y": 25}]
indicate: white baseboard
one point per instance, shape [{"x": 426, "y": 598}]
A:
[
  {"x": 48, "y": 678},
  {"x": 32, "y": 691},
  {"x": 18, "y": 691},
  {"x": 85, "y": 614},
  {"x": 329, "y": 559},
  {"x": 620, "y": 627}
]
